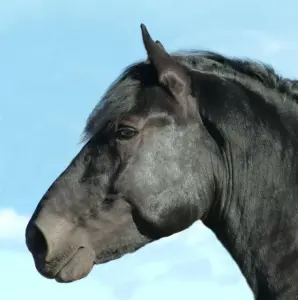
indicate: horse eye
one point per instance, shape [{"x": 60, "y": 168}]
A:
[{"x": 125, "y": 133}]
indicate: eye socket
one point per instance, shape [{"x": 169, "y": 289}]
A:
[{"x": 125, "y": 132}]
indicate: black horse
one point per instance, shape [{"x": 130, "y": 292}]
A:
[{"x": 178, "y": 138}]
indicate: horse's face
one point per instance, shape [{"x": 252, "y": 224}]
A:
[{"x": 141, "y": 178}]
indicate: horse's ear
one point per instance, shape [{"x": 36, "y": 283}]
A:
[{"x": 170, "y": 73}]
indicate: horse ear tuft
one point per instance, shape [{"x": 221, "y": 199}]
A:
[{"x": 160, "y": 45}]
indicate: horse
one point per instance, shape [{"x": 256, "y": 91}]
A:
[{"x": 175, "y": 139}]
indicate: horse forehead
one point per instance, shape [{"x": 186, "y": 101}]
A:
[
  {"x": 153, "y": 117},
  {"x": 132, "y": 119}
]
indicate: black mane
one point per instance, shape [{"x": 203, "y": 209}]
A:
[{"x": 122, "y": 95}]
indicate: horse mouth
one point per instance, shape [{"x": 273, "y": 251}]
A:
[{"x": 71, "y": 268}]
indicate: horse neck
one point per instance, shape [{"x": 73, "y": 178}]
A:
[{"x": 256, "y": 220}]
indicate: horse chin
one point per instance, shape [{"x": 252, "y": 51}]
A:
[{"x": 78, "y": 267}]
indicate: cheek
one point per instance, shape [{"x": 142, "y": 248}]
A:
[
  {"x": 156, "y": 166},
  {"x": 160, "y": 186}
]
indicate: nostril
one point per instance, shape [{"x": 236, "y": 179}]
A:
[{"x": 36, "y": 241}]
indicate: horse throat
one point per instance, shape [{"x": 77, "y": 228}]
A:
[{"x": 259, "y": 228}]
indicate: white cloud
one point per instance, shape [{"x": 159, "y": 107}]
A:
[
  {"x": 12, "y": 225},
  {"x": 192, "y": 260},
  {"x": 20, "y": 280},
  {"x": 184, "y": 289}
]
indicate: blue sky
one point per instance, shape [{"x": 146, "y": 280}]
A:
[{"x": 57, "y": 58}]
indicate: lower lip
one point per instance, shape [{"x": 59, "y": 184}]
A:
[{"x": 51, "y": 274}]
